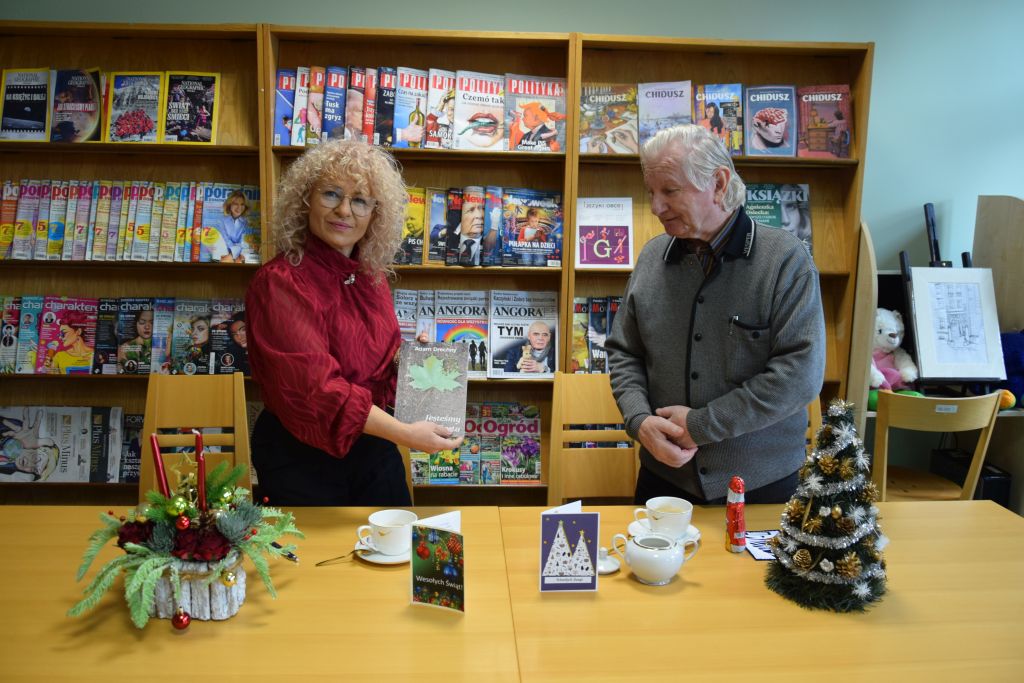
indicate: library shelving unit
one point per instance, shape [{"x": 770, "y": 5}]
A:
[
  {"x": 248, "y": 57},
  {"x": 543, "y": 54},
  {"x": 835, "y": 185},
  {"x": 234, "y": 51}
]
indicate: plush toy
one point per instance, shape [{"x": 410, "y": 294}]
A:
[{"x": 891, "y": 366}]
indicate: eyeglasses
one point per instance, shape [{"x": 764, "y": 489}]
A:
[{"x": 361, "y": 206}]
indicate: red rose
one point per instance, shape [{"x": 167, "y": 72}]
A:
[
  {"x": 204, "y": 545},
  {"x": 134, "y": 532}
]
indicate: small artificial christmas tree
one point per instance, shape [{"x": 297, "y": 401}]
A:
[{"x": 829, "y": 548}]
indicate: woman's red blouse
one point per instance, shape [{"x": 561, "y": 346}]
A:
[{"x": 322, "y": 350}]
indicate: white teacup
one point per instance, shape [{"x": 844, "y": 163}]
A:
[
  {"x": 666, "y": 515},
  {"x": 389, "y": 532}
]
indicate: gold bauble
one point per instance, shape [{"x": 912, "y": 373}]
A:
[
  {"x": 802, "y": 558},
  {"x": 847, "y": 469},
  {"x": 828, "y": 464},
  {"x": 178, "y": 505},
  {"x": 228, "y": 578},
  {"x": 849, "y": 566},
  {"x": 837, "y": 512},
  {"x": 226, "y": 496}
]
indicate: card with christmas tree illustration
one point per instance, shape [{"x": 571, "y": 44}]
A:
[
  {"x": 568, "y": 549},
  {"x": 432, "y": 385},
  {"x": 438, "y": 562}
]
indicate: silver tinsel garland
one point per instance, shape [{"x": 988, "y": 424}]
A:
[
  {"x": 812, "y": 486},
  {"x": 829, "y": 541},
  {"x": 873, "y": 570}
]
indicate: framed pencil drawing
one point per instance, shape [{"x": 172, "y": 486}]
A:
[{"x": 956, "y": 328}]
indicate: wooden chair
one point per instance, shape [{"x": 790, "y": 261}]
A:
[
  {"x": 576, "y": 472},
  {"x": 930, "y": 415},
  {"x": 215, "y": 404}
]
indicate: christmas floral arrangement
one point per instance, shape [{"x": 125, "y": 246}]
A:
[
  {"x": 186, "y": 542},
  {"x": 829, "y": 547}
]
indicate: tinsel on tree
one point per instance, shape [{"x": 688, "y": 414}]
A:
[{"x": 829, "y": 547}]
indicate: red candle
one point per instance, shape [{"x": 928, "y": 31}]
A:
[
  {"x": 158, "y": 462},
  {"x": 201, "y": 475}
]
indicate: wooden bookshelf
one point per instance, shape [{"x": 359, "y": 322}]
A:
[{"x": 248, "y": 56}]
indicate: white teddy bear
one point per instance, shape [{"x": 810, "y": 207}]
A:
[{"x": 891, "y": 366}]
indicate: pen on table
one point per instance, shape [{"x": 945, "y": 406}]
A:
[{"x": 287, "y": 555}]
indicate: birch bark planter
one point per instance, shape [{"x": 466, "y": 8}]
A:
[{"x": 201, "y": 598}]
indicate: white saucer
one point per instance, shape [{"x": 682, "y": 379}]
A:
[
  {"x": 365, "y": 553},
  {"x": 641, "y": 526}
]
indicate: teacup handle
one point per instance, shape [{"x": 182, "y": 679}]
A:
[
  {"x": 636, "y": 514},
  {"x": 615, "y": 546},
  {"x": 696, "y": 547},
  {"x": 366, "y": 540}
]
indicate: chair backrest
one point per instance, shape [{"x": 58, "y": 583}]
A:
[
  {"x": 176, "y": 404},
  {"x": 813, "y": 422},
  {"x": 929, "y": 414},
  {"x": 575, "y": 471}
]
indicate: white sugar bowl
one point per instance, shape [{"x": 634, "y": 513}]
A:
[{"x": 654, "y": 558}]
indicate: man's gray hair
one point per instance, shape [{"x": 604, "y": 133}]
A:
[{"x": 704, "y": 153}]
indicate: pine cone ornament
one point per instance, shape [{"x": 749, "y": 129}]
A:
[
  {"x": 849, "y": 566},
  {"x": 802, "y": 558},
  {"x": 846, "y": 525},
  {"x": 828, "y": 464},
  {"x": 847, "y": 469},
  {"x": 812, "y": 525},
  {"x": 869, "y": 494},
  {"x": 795, "y": 510}
]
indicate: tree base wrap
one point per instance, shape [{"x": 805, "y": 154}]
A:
[{"x": 201, "y": 598}]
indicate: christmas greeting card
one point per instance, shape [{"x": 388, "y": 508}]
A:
[
  {"x": 568, "y": 548},
  {"x": 438, "y": 571}
]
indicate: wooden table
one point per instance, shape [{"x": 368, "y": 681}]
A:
[
  {"x": 954, "y": 611},
  {"x": 346, "y": 621}
]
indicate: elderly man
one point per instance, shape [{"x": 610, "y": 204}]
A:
[{"x": 719, "y": 344}]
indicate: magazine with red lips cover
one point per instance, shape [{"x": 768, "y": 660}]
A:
[{"x": 479, "y": 111}]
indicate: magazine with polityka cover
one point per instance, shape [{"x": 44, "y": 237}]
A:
[
  {"x": 535, "y": 113},
  {"x": 67, "y": 336},
  {"x": 432, "y": 384},
  {"x": 532, "y": 233},
  {"x": 193, "y": 107},
  {"x": 384, "y": 116},
  {"x": 663, "y": 105},
  {"x": 45, "y": 444},
  {"x": 284, "y": 103},
  {"x": 608, "y": 119},
  {"x": 719, "y": 109},
  {"x": 335, "y": 90},
  {"x": 134, "y": 108},
  {"x": 522, "y": 333},
  {"x": 77, "y": 105},
  {"x": 782, "y": 205},
  {"x": 460, "y": 315},
  {"x": 479, "y": 111},
  {"x": 769, "y": 120},
  {"x": 24, "y": 112},
  {"x": 826, "y": 121},
  {"x": 440, "y": 109},
  {"x": 410, "y": 107}
]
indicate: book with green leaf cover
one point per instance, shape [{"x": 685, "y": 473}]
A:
[{"x": 432, "y": 384}]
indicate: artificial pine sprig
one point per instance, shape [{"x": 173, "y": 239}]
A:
[{"x": 97, "y": 540}]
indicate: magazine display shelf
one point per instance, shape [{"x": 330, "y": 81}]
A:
[
  {"x": 248, "y": 56},
  {"x": 231, "y": 49}
]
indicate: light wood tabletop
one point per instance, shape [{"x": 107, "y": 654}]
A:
[
  {"x": 346, "y": 621},
  {"x": 954, "y": 610}
]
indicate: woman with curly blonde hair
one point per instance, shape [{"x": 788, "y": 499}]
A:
[{"x": 323, "y": 337}]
